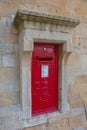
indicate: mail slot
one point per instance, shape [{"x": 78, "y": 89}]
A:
[
  {"x": 44, "y": 79},
  {"x": 44, "y": 59}
]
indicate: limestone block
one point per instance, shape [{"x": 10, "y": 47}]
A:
[
  {"x": 8, "y": 74},
  {"x": 16, "y": 98},
  {"x": 8, "y": 60},
  {"x": 82, "y": 79},
  {"x": 74, "y": 59},
  {"x": 27, "y": 44},
  {"x": 59, "y": 124},
  {"x": 83, "y": 59},
  {"x": 34, "y": 128},
  {"x": 6, "y": 99},
  {"x": 0, "y": 62},
  {"x": 75, "y": 122},
  {"x": 75, "y": 102},
  {"x": 10, "y": 86},
  {"x": 80, "y": 86},
  {"x": 7, "y": 33},
  {"x": 80, "y": 128},
  {"x": 83, "y": 97},
  {"x": 7, "y": 48},
  {"x": 86, "y": 126},
  {"x": 13, "y": 125}
]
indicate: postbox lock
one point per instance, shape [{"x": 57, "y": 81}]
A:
[{"x": 44, "y": 48}]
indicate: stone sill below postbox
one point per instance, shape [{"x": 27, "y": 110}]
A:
[{"x": 37, "y": 27}]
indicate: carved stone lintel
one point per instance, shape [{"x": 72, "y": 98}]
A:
[{"x": 22, "y": 16}]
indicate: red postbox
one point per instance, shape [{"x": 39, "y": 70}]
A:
[{"x": 44, "y": 78}]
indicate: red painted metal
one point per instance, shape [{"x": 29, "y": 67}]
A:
[{"x": 44, "y": 79}]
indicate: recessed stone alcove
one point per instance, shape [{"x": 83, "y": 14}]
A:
[{"x": 37, "y": 27}]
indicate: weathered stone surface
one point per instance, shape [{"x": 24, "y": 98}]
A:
[
  {"x": 83, "y": 97},
  {"x": 41, "y": 17},
  {"x": 6, "y": 99},
  {"x": 61, "y": 124},
  {"x": 0, "y": 62},
  {"x": 8, "y": 60},
  {"x": 8, "y": 74},
  {"x": 75, "y": 102},
  {"x": 79, "y": 87},
  {"x": 80, "y": 128},
  {"x": 7, "y": 48},
  {"x": 75, "y": 122},
  {"x": 16, "y": 97},
  {"x": 76, "y": 64},
  {"x": 11, "y": 86}
]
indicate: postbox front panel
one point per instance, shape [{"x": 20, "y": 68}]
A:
[{"x": 44, "y": 79}]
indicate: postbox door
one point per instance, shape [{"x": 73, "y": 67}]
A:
[{"x": 44, "y": 79}]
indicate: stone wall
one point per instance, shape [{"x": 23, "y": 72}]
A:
[{"x": 9, "y": 65}]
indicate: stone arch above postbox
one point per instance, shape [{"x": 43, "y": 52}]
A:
[{"x": 38, "y": 27}]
